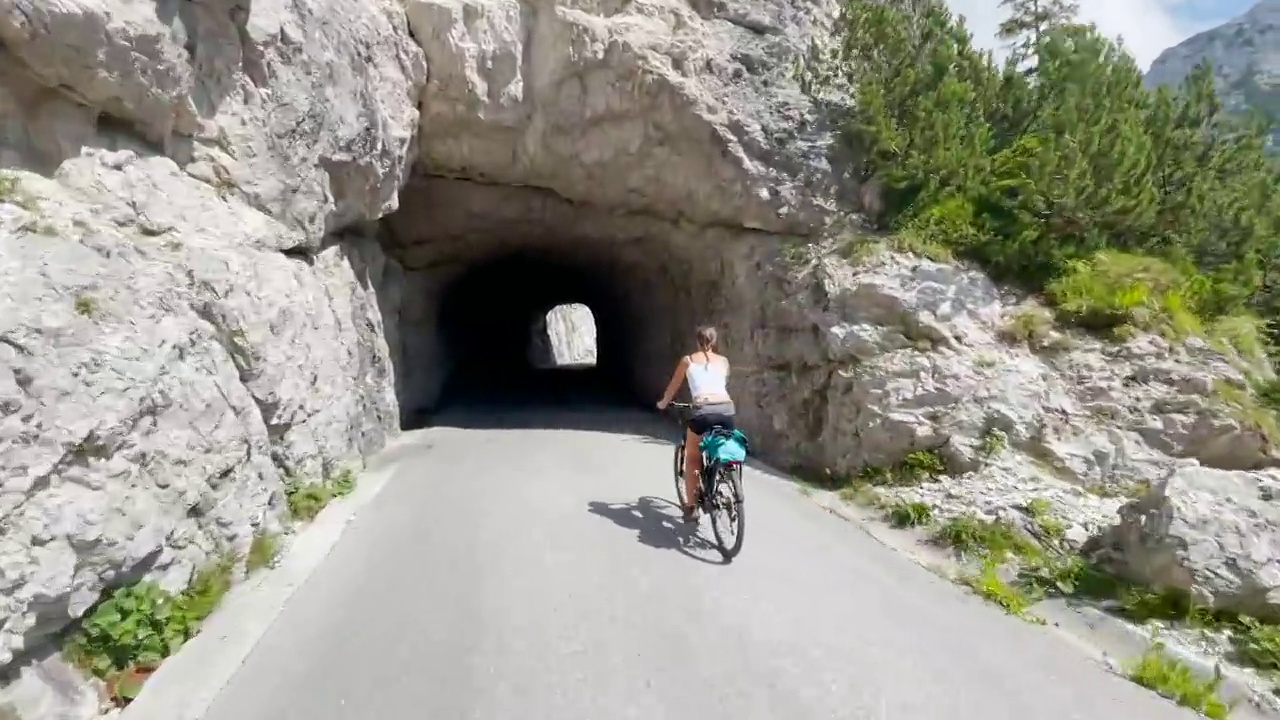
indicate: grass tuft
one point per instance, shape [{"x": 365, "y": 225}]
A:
[
  {"x": 262, "y": 551},
  {"x": 910, "y": 514},
  {"x": 306, "y": 500},
  {"x": 1165, "y": 675}
]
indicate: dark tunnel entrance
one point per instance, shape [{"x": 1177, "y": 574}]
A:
[
  {"x": 480, "y": 266},
  {"x": 489, "y": 315}
]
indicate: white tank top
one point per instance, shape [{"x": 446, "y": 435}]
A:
[{"x": 706, "y": 379}]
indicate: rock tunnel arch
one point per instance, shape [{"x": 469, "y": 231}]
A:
[{"x": 481, "y": 263}]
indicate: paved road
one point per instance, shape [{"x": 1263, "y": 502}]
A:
[{"x": 543, "y": 574}]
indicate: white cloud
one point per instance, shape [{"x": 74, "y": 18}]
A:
[{"x": 1147, "y": 27}]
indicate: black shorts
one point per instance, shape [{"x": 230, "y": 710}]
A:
[{"x": 706, "y": 418}]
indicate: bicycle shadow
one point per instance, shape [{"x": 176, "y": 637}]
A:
[{"x": 658, "y": 524}]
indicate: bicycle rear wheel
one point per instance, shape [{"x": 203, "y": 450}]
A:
[
  {"x": 725, "y": 508},
  {"x": 680, "y": 494}
]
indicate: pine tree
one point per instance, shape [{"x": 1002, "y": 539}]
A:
[
  {"x": 1031, "y": 21},
  {"x": 1038, "y": 175}
]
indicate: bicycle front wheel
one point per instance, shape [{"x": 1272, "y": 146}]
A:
[{"x": 725, "y": 508}]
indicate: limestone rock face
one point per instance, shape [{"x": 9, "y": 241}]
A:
[
  {"x": 181, "y": 327},
  {"x": 683, "y": 110},
  {"x": 306, "y": 110},
  {"x": 161, "y": 368}
]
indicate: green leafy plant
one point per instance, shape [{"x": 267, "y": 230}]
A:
[
  {"x": 343, "y": 483},
  {"x": 859, "y": 493},
  {"x": 8, "y": 186},
  {"x": 132, "y": 630},
  {"x": 922, "y": 466},
  {"x": 136, "y": 625},
  {"x": 306, "y": 500},
  {"x": 1250, "y": 409}
]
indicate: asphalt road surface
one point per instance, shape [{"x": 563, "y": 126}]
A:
[{"x": 540, "y": 572}]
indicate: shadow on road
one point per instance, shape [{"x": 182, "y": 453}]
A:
[{"x": 657, "y": 524}]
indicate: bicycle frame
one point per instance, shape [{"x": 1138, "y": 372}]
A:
[
  {"x": 712, "y": 476},
  {"x": 707, "y": 480}
]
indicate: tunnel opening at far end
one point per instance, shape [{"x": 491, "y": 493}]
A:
[
  {"x": 533, "y": 328},
  {"x": 564, "y": 338}
]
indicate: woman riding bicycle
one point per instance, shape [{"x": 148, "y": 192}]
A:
[{"x": 707, "y": 373}]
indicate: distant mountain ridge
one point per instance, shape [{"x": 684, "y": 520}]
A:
[{"x": 1245, "y": 53}]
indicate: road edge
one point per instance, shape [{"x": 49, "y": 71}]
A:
[{"x": 187, "y": 683}]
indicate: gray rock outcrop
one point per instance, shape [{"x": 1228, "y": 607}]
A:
[
  {"x": 1212, "y": 534},
  {"x": 179, "y": 325}
]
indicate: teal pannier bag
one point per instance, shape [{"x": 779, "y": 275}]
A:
[{"x": 724, "y": 446}]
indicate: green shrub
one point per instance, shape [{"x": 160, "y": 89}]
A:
[
  {"x": 306, "y": 500},
  {"x": 860, "y": 493},
  {"x": 1061, "y": 173},
  {"x": 1114, "y": 290},
  {"x": 1243, "y": 332},
  {"x": 343, "y": 483},
  {"x": 1049, "y": 526}
]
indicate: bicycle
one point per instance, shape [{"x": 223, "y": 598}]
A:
[{"x": 720, "y": 493}]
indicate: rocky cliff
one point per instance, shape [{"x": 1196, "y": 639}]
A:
[
  {"x": 244, "y": 245},
  {"x": 1245, "y": 54}
]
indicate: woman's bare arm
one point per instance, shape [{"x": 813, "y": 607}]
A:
[{"x": 674, "y": 384}]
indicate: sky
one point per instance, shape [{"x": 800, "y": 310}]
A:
[{"x": 1148, "y": 27}]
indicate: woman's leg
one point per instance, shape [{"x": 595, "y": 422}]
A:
[{"x": 692, "y": 466}]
